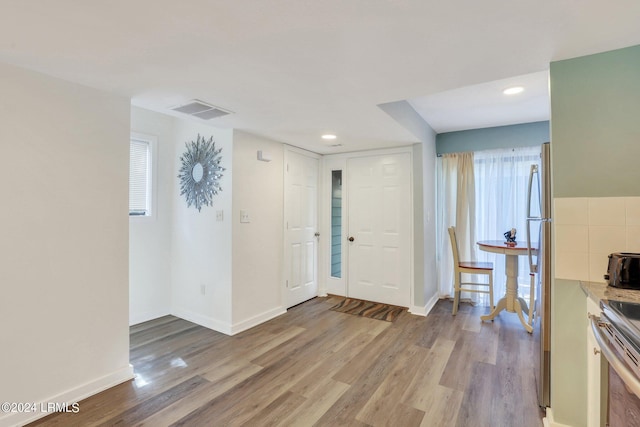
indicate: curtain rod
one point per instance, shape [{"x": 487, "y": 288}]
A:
[{"x": 512, "y": 149}]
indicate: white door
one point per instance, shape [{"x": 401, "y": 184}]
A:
[
  {"x": 379, "y": 233},
  {"x": 301, "y": 225}
]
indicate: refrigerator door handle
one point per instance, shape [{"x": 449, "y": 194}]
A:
[
  {"x": 533, "y": 268},
  {"x": 534, "y": 171}
]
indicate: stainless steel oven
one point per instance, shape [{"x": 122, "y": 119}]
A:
[{"x": 617, "y": 333}]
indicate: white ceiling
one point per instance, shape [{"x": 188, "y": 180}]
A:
[
  {"x": 485, "y": 105},
  {"x": 293, "y": 69}
]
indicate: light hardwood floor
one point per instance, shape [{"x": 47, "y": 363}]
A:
[{"x": 313, "y": 366}]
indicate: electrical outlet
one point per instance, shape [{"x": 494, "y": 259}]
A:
[
  {"x": 244, "y": 216},
  {"x": 219, "y": 215}
]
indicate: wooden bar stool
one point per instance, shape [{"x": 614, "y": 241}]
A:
[{"x": 468, "y": 267}]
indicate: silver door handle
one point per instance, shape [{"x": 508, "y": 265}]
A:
[
  {"x": 532, "y": 267},
  {"x": 532, "y": 172}
]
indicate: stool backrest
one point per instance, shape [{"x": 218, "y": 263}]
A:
[{"x": 454, "y": 246}]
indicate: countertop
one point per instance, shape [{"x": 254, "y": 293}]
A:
[{"x": 600, "y": 291}]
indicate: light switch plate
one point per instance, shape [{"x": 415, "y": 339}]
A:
[
  {"x": 244, "y": 216},
  {"x": 219, "y": 215}
]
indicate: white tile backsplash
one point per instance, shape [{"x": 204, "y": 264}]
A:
[
  {"x": 572, "y": 265},
  {"x": 632, "y": 205},
  {"x": 607, "y": 238},
  {"x": 587, "y": 230},
  {"x": 633, "y": 238},
  {"x": 607, "y": 211},
  {"x": 571, "y": 238},
  {"x": 571, "y": 211},
  {"x": 598, "y": 266}
]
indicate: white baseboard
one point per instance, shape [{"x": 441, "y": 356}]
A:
[
  {"x": 548, "y": 420},
  {"x": 136, "y": 318},
  {"x": 417, "y": 310},
  {"x": 423, "y": 311},
  {"x": 226, "y": 328},
  {"x": 202, "y": 320},
  {"x": 432, "y": 303},
  {"x": 69, "y": 397},
  {"x": 249, "y": 323}
]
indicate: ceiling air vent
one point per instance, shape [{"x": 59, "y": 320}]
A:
[{"x": 201, "y": 109}]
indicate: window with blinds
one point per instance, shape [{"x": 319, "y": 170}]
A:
[{"x": 139, "y": 178}]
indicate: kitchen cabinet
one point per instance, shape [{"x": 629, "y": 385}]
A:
[{"x": 596, "y": 375}]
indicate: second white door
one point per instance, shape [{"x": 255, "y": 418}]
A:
[{"x": 379, "y": 228}]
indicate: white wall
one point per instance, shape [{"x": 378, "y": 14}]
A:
[
  {"x": 257, "y": 245},
  {"x": 418, "y": 304},
  {"x": 201, "y": 246},
  {"x": 429, "y": 217},
  {"x": 426, "y": 291},
  {"x": 150, "y": 238},
  {"x": 64, "y": 150},
  {"x": 178, "y": 250}
]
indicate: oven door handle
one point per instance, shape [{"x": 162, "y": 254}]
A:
[{"x": 609, "y": 353}]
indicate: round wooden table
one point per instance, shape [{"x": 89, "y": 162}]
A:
[{"x": 510, "y": 302}]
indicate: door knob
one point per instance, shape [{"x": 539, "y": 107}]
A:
[
  {"x": 317, "y": 234},
  {"x": 351, "y": 239}
]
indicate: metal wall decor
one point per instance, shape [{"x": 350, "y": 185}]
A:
[{"x": 200, "y": 172}]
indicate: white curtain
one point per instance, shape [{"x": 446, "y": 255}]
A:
[
  {"x": 499, "y": 197},
  {"x": 457, "y": 207}
]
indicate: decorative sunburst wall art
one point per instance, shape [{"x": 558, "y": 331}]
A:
[{"x": 200, "y": 172}]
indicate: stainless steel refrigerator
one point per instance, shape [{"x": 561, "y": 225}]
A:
[{"x": 539, "y": 237}]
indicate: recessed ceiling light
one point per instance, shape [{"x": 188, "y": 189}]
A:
[
  {"x": 328, "y": 136},
  {"x": 513, "y": 90}
]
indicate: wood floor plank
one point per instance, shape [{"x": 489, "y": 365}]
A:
[
  {"x": 277, "y": 411},
  {"x": 516, "y": 377},
  {"x": 379, "y": 407},
  {"x": 472, "y": 322},
  {"x": 309, "y": 383},
  {"x": 376, "y": 369},
  {"x": 144, "y": 410},
  {"x": 151, "y": 323},
  {"x": 315, "y": 366},
  {"x": 182, "y": 408},
  {"x": 429, "y": 371},
  {"x": 313, "y": 340},
  {"x": 318, "y": 401},
  {"x": 248, "y": 395},
  {"x": 441, "y": 406},
  {"x": 274, "y": 341},
  {"x": 477, "y": 401},
  {"x": 470, "y": 347},
  {"x": 362, "y": 362},
  {"x": 159, "y": 332},
  {"x": 234, "y": 408},
  {"x": 403, "y": 415}
]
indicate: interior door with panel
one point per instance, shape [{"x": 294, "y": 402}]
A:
[
  {"x": 301, "y": 226},
  {"x": 379, "y": 231}
]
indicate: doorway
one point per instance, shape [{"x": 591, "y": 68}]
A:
[
  {"x": 369, "y": 254},
  {"x": 301, "y": 226}
]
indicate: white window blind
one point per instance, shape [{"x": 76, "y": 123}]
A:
[{"x": 139, "y": 177}]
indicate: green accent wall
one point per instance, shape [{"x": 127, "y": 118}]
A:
[
  {"x": 522, "y": 135},
  {"x": 595, "y": 152},
  {"x": 595, "y": 124}
]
